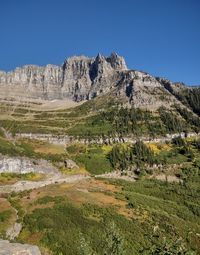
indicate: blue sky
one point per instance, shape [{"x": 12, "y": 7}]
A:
[{"x": 161, "y": 37}]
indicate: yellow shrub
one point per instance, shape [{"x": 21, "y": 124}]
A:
[
  {"x": 153, "y": 147},
  {"x": 106, "y": 148},
  {"x": 166, "y": 147}
]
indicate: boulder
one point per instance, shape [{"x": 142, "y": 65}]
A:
[{"x": 7, "y": 248}]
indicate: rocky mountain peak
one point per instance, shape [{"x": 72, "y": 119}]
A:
[
  {"x": 83, "y": 78},
  {"x": 99, "y": 58},
  {"x": 75, "y": 59},
  {"x": 117, "y": 62}
]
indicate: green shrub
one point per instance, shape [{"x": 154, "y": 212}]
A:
[{"x": 5, "y": 215}]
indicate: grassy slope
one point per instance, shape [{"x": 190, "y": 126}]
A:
[
  {"x": 93, "y": 118},
  {"x": 95, "y": 158},
  {"x": 145, "y": 213}
]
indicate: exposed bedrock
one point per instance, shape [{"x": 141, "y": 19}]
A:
[
  {"x": 7, "y": 248},
  {"x": 24, "y": 165},
  {"x": 83, "y": 78}
]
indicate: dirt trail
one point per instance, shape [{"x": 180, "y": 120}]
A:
[
  {"x": 27, "y": 185},
  {"x": 117, "y": 175},
  {"x": 14, "y": 230}
]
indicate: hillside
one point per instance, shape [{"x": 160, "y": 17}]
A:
[
  {"x": 111, "y": 100},
  {"x": 98, "y": 159}
]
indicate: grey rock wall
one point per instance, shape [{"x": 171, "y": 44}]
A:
[
  {"x": 79, "y": 78},
  {"x": 82, "y": 78},
  {"x": 7, "y": 248},
  {"x": 24, "y": 165}
]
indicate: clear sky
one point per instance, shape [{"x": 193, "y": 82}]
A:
[{"x": 161, "y": 37}]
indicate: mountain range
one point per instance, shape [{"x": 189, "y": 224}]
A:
[
  {"x": 81, "y": 78},
  {"x": 91, "y": 151}
]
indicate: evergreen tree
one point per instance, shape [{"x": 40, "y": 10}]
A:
[
  {"x": 169, "y": 248},
  {"x": 114, "y": 243},
  {"x": 142, "y": 153},
  {"x": 178, "y": 141},
  {"x": 85, "y": 248}
]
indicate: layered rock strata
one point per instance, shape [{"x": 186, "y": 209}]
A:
[
  {"x": 82, "y": 78},
  {"x": 7, "y": 248}
]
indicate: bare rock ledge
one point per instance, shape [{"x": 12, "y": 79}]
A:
[{"x": 7, "y": 248}]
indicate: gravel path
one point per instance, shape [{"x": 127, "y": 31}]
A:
[
  {"x": 27, "y": 185},
  {"x": 14, "y": 230},
  {"x": 117, "y": 175}
]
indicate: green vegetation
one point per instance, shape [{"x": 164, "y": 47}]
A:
[
  {"x": 23, "y": 119},
  {"x": 172, "y": 123},
  {"x": 27, "y": 148},
  {"x": 5, "y": 215},
  {"x": 164, "y": 215},
  {"x": 100, "y": 117},
  {"x": 119, "y": 121},
  {"x": 109, "y": 217},
  {"x": 47, "y": 199},
  {"x": 190, "y": 118},
  {"x": 96, "y": 159},
  {"x": 63, "y": 225},
  {"x": 122, "y": 157},
  {"x": 159, "y": 216},
  {"x": 17, "y": 149},
  {"x": 191, "y": 98},
  {"x": 1, "y": 133},
  {"x": 18, "y": 125},
  {"x": 14, "y": 177},
  {"x": 14, "y": 200},
  {"x": 92, "y": 157},
  {"x": 181, "y": 156}
]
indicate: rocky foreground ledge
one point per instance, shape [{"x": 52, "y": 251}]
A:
[{"x": 7, "y": 248}]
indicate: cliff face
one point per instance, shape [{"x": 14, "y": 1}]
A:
[
  {"x": 85, "y": 78},
  {"x": 79, "y": 78},
  {"x": 24, "y": 165},
  {"x": 32, "y": 81},
  {"x": 82, "y": 78},
  {"x": 7, "y": 248}
]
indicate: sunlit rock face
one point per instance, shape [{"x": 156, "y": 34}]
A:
[
  {"x": 79, "y": 78},
  {"x": 33, "y": 81},
  {"x": 24, "y": 165},
  {"x": 83, "y": 78},
  {"x": 7, "y": 248}
]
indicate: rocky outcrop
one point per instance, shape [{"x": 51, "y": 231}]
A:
[
  {"x": 82, "y": 78},
  {"x": 50, "y": 138},
  {"x": 67, "y": 140},
  {"x": 143, "y": 90},
  {"x": 78, "y": 78},
  {"x": 67, "y": 164},
  {"x": 70, "y": 164},
  {"x": 7, "y": 248},
  {"x": 23, "y": 165},
  {"x": 13, "y": 231}
]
